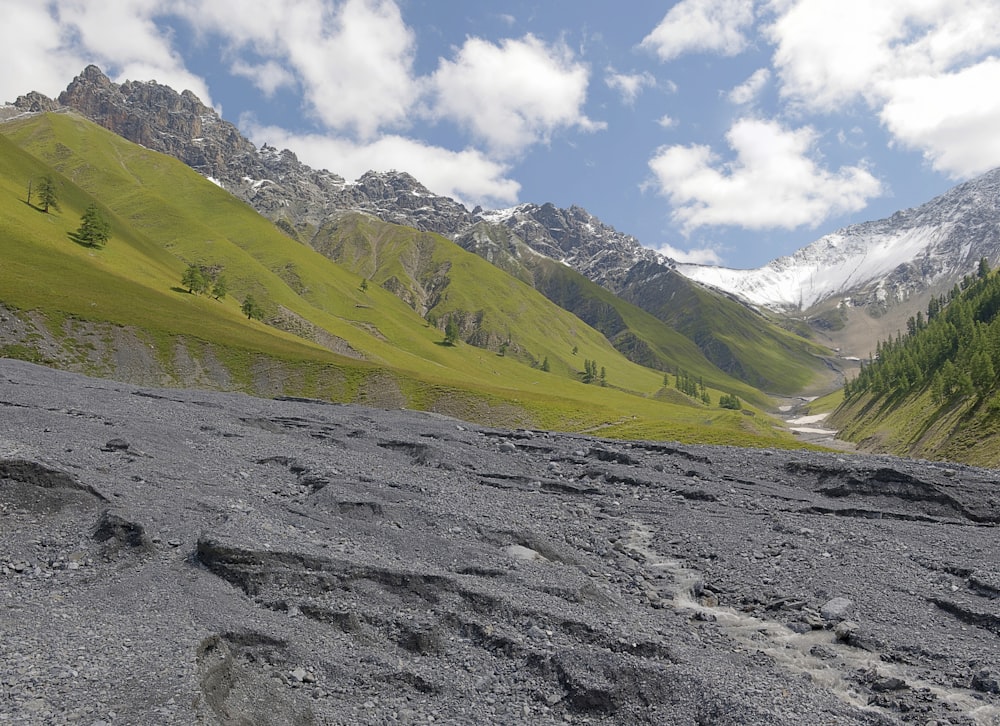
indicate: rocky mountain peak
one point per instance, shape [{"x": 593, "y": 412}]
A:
[
  {"x": 579, "y": 239},
  {"x": 35, "y": 102},
  {"x": 274, "y": 182}
]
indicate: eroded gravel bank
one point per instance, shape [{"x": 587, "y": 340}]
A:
[{"x": 187, "y": 557}]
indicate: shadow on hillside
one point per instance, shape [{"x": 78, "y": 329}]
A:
[
  {"x": 82, "y": 241},
  {"x": 35, "y": 207}
]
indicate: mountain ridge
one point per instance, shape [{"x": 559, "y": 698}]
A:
[
  {"x": 877, "y": 265},
  {"x": 306, "y": 203}
]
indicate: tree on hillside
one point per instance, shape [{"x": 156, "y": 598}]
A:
[
  {"x": 252, "y": 309},
  {"x": 451, "y": 332},
  {"x": 220, "y": 287},
  {"x": 194, "y": 279},
  {"x": 364, "y": 285},
  {"x": 730, "y": 401},
  {"x": 47, "y": 195},
  {"x": 94, "y": 229}
]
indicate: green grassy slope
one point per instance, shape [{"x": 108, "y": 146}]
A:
[
  {"x": 933, "y": 392},
  {"x": 164, "y": 216},
  {"x": 736, "y": 339},
  {"x": 637, "y": 334}
]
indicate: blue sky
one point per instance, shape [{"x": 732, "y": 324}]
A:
[{"x": 718, "y": 131}]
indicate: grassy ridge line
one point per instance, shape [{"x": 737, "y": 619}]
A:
[
  {"x": 441, "y": 280},
  {"x": 130, "y": 283}
]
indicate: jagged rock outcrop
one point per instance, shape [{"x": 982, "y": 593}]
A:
[
  {"x": 274, "y": 182},
  {"x": 578, "y": 239}
]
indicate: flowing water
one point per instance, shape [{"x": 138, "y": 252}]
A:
[{"x": 793, "y": 651}]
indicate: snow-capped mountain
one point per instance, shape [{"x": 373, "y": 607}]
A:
[{"x": 878, "y": 263}]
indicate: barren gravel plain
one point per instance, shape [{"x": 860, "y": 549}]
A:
[{"x": 190, "y": 557}]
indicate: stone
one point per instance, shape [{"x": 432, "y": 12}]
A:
[
  {"x": 836, "y": 609},
  {"x": 986, "y": 681}
]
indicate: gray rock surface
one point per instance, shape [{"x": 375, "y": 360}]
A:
[{"x": 178, "y": 557}]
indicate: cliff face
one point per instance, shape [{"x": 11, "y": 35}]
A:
[{"x": 159, "y": 118}]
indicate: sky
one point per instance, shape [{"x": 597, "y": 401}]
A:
[{"x": 724, "y": 132}]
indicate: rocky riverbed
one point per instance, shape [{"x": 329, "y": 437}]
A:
[{"x": 179, "y": 557}]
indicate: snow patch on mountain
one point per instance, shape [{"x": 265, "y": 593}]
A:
[
  {"x": 888, "y": 260},
  {"x": 833, "y": 266}
]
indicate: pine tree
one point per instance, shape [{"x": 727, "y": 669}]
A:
[
  {"x": 220, "y": 287},
  {"x": 451, "y": 332},
  {"x": 94, "y": 229},
  {"x": 252, "y": 309},
  {"x": 47, "y": 195},
  {"x": 194, "y": 279}
]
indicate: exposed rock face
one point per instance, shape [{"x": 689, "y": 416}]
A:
[
  {"x": 274, "y": 182},
  {"x": 579, "y": 239},
  {"x": 238, "y": 560}
]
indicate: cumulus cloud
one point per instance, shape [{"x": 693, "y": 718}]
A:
[
  {"x": 717, "y": 26},
  {"x": 468, "y": 176},
  {"x": 353, "y": 60},
  {"x": 629, "y": 85},
  {"x": 772, "y": 181},
  {"x": 49, "y": 43},
  {"x": 512, "y": 94},
  {"x": 949, "y": 118},
  {"x": 268, "y": 77},
  {"x": 666, "y": 121},
  {"x": 748, "y": 91},
  {"x": 702, "y": 256},
  {"x": 921, "y": 67}
]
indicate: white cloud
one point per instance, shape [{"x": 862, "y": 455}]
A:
[
  {"x": 717, "y": 26},
  {"x": 629, "y": 85},
  {"x": 773, "y": 181},
  {"x": 702, "y": 256},
  {"x": 950, "y": 117},
  {"x": 513, "y": 94},
  {"x": 666, "y": 121},
  {"x": 923, "y": 67},
  {"x": 748, "y": 91},
  {"x": 352, "y": 59},
  {"x": 468, "y": 176},
  {"x": 268, "y": 77},
  {"x": 46, "y": 44},
  {"x": 33, "y": 52}
]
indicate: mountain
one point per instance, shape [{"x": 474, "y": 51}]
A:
[
  {"x": 273, "y": 182},
  {"x": 308, "y": 206},
  {"x": 886, "y": 269},
  {"x": 120, "y": 310},
  {"x": 734, "y": 337}
]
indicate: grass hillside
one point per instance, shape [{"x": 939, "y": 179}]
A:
[
  {"x": 933, "y": 392},
  {"x": 635, "y": 333},
  {"x": 322, "y": 334},
  {"x": 736, "y": 339}
]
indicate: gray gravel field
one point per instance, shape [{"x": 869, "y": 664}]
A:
[{"x": 189, "y": 557}]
